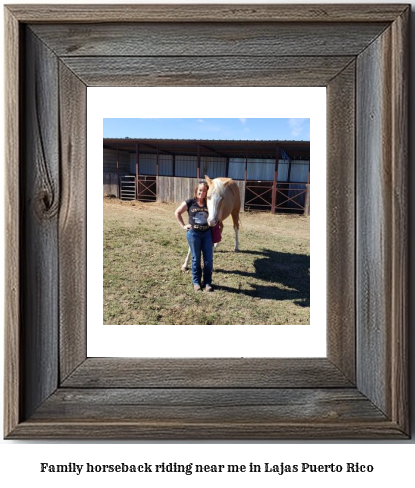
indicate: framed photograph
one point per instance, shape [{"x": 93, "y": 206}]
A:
[
  {"x": 263, "y": 290},
  {"x": 359, "y": 390}
]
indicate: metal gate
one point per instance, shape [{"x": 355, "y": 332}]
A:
[
  {"x": 284, "y": 197},
  {"x": 127, "y": 188},
  {"x": 258, "y": 195},
  {"x": 147, "y": 188},
  {"x": 291, "y": 197}
]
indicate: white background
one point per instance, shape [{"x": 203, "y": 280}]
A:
[
  {"x": 393, "y": 461},
  {"x": 218, "y": 341}
]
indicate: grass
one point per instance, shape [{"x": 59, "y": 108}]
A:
[{"x": 267, "y": 282}]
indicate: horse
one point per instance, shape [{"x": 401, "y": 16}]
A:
[{"x": 223, "y": 199}]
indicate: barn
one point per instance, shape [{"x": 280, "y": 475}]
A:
[{"x": 272, "y": 175}]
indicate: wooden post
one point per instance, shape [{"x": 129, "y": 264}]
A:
[
  {"x": 157, "y": 163},
  {"x": 118, "y": 172},
  {"x": 307, "y": 196},
  {"x": 307, "y": 200},
  {"x": 137, "y": 169},
  {"x": 227, "y": 167},
  {"x": 274, "y": 185},
  {"x": 246, "y": 163},
  {"x": 198, "y": 162}
]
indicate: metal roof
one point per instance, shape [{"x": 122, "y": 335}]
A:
[{"x": 219, "y": 148}]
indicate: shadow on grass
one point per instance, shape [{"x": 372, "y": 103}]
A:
[{"x": 285, "y": 276}]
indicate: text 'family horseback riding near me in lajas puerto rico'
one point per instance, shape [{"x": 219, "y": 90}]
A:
[{"x": 192, "y": 468}]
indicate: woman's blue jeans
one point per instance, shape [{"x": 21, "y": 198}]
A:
[{"x": 201, "y": 243}]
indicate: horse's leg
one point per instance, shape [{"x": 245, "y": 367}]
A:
[
  {"x": 235, "y": 218},
  {"x": 186, "y": 262},
  {"x": 236, "y": 239}
]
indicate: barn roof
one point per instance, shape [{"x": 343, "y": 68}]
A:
[{"x": 220, "y": 148}]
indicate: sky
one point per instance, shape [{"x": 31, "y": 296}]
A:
[{"x": 233, "y": 129}]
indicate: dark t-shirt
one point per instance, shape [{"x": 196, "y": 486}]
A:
[{"x": 197, "y": 215}]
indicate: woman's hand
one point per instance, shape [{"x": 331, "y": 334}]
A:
[{"x": 187, "y": 227}]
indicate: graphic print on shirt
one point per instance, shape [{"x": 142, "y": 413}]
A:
[
  {"x": 197, "y": 215},
  {"x": 200, "y": 217}
]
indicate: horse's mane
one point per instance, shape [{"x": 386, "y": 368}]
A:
[{"x": 220, "y": 187}]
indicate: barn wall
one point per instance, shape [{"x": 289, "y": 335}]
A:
[
  {"x": 257, "y": 169},
  {"x": 261, "y": 169},
  {"x": 186, "y": 166},
  {"x": 173, "y": 189},
  {"x": 148, "y": 164},
  {"x": 111, "y": 186},
  {"x": 282, "y": 170},
  {"x": 237, "y": 168},
  {"x": 299, "y": 171},
  {"x": 178, "y": 190},
  {"x": 110, "y": 161},
  {"x": 298, "y": 175},
  {"x": 212, "y": 167}
]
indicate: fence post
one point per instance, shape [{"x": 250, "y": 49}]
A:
[
  {"x": 274, "y": 186},
  {"x": 118, "y": 171},
  {"x": 198, "y": 162},
  {"x": 307, "y": 200},
  {"x": 137, "y": 169}
]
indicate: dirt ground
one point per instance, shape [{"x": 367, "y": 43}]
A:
[{"x": 267, "y": 282}]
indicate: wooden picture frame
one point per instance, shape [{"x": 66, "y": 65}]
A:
[{"x": 360, "y": 53}]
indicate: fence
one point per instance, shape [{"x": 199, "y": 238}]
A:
[
  {"x": 173, "y": 189},
  {"x": 255, "y": 195}
]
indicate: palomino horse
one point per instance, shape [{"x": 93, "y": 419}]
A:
[{"x": 223, "y": 199}]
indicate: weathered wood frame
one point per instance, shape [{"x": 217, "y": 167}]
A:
[{"x": 359, "y": 52}]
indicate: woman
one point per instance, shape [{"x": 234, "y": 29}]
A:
[{"x": 199, "y": 236}]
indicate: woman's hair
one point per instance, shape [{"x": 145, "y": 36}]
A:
[{"x": 200, "y": 182}]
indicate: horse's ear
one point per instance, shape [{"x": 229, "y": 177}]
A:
[{"x": 208, "y": 179}]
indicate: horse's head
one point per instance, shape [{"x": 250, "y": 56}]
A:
[{"x": 215, "y": 197}]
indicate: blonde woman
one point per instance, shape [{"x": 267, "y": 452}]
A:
[{"x": 199, "y": 236}]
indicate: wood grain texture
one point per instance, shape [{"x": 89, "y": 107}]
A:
[
  {"x": 12, "y": 371},
  {"x": 188, "y": 430},
  {"x": 72, "y": 222},
  {"x": 207, "y": 13},
  {"x": 206, "y": 373},
  {"x": 373, "y": 224},
  {"x": 180, "y": 39},
  {"x": 199, "y": 71},
  {"x": 382, "y": 266},
  {"x": 210, "y": 405},
  {"x": 206, "y": 399},
  {"x": 40, "y": 205},
  {"x": 341, "y": 238},
  {"x": 400, "y": 233},
  {"x": 374, "y": 221}
]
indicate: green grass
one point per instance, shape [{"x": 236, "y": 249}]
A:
[{"x": 267, "y": 282}]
